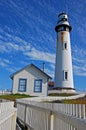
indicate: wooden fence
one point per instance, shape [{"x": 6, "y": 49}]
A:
[
  {"x": 7, "y": 116},
  {"x": 51, "y": 116}
]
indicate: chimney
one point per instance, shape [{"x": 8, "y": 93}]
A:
[{"x": 43, "y": 66}]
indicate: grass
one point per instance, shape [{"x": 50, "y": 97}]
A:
[
  {"x": 13, "y": 97},
  {"x": 75, "y": 101},
  {"x": 61, "y": 94},
  {"x": 81, "y": 100},
  {"x": 70, "y": 101}
]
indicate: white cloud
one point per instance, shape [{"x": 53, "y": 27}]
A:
[
  {"x": 80, "y": 71},
  {"x": 13, "y": 69},
  {"x": 49, "y": 72},
  {"x": 40, "y": 55},
  {"x": 5, "y": 62},
  {"x": 25, "y": 48},
  {"x": 8, "y": 65},
  {"x": 79, "y": 51},
  {"x": 79, "y": 61},
  {"x": 11, "y": 46},
  {"x": 79, "y": 54},
  {"x": 16, "y": 44},
  {"x": 2, "y": 48},
  {"x": 52, "y": 66},
  {"x": 8, "y": 47}
]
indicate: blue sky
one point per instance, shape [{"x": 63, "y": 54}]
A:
[{"x": 27, "y": 36}]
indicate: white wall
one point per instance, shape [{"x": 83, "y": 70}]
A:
[
  {"x": 30, "y": 74},
  {"x": 63, "y": 61}
]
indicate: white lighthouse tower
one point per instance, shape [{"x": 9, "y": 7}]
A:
[{"x": 63, "y": 66}]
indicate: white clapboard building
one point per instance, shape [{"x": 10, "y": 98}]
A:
[{"x": 30, "y": 80}]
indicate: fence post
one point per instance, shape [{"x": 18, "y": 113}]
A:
[
  {"x": 83, "y": 111},
  {"x": 76, "y": 110},
  {"x": 79, "y": 110},
  {"x": 51, "y": 120}
]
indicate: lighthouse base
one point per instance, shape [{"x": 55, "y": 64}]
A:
[{"x": 59, "y": 90}]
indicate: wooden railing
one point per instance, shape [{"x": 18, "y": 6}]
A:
[
  {"x": 7, "y": 116},
  {"x": 51, "y": 116}
]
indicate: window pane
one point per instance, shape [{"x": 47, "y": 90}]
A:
[{"x": 38, "y": 83}]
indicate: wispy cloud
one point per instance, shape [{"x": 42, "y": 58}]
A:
[
  {"x": 18, "y": 44},
  {"x": 50, "y": 70},
  {"x": 41, "y": 55},
  {"x": 4, "y": 62},
  {"x": 8, "y": 65},
  {"x": 79, "y": 61},
  {"x": 13, "y": 69},
  {"x": 80, "y": 71},
  {"x": 26, "y": 49},
  {"x": 38, "y": 30},
  {"x": 14, "y": 44},
  {"x": 81, "y": 32}
]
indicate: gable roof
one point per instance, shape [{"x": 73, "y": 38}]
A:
[{"x": 28, "y": 66}]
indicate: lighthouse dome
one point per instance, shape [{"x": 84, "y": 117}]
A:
[{"x": 63, "y": 21}]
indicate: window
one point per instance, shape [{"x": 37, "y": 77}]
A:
[
  {"x": 22, "y": 85},
  {"x": 65, "y": 46},
  {"x": 65, "y": 75},
  {"x": 67, "y": 29},
  {"x": 63, "y": 28},
  {"x": 38, "y": 85}
]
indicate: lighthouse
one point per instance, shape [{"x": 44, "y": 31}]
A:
[{"x": 63, "y": 80}]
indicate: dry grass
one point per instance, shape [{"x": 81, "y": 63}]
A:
[
  {"x": 61, "y": 94},
  {"x": 76, "y": 101}
]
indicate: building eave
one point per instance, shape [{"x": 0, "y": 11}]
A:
[{"x": 28, "y": 66}]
